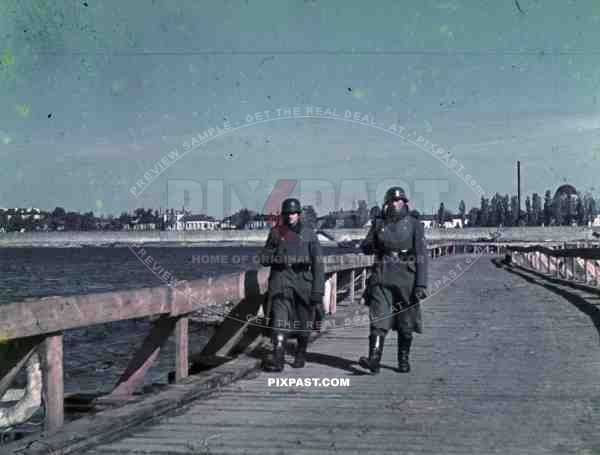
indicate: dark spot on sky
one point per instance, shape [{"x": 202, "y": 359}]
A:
[
  {"x": 269, "y": 97},
  {"x": 85, "y": 3},
  {"x": 349, "y": 90},
  {"x": 237, "y": 83},
  {"x": 519, "y": 7},
  {"x": 50, "y": 115},
  {"x": 266, "y": 59}
]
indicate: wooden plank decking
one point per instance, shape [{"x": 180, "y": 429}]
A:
[{"x": 508, "y": 364}]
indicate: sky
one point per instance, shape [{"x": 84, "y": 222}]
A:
[{"x": 95, "y": 96}]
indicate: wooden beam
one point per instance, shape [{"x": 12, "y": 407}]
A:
[
  {"x": 232, "y": 328},
  {"x": 55, "y": 314},
  {"x": 210, "y": 295},
  {"x": 52, "y": 374},
  {"x": 143, "y": 359}
]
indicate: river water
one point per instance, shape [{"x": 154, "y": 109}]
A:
[{"x": 95, "y": 356}]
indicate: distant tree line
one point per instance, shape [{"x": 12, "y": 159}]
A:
[
  {"x": 492, "y": 212},
  {"x": 564, "y": 211},
  {"x": 59, "y": 219}
]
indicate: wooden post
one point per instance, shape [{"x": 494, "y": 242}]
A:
[
  {"x": 54, "y": 396},
  {"x": 333, "y": 301},
  {"x": 352, "y": 276},
  {"x": 181, "y": 349},
  {"x": 363, "y": 284},
  {"x": 559, "y": 267},
  {"x": 327, "y": 296}
]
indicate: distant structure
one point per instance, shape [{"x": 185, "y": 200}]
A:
[{"x": 566, "y": 189}]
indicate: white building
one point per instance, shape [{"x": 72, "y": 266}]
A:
[
  {"x": 261, "y": 221},
  {"x": 196, "y": 223},
  {"x": 453, "y": 223}
]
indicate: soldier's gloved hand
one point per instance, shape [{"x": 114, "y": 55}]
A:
[
  {"x": 316, "y": 298},
  {"x": 277, "y": 259}
]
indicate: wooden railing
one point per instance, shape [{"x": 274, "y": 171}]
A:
[
  {"x": 36, "y": 326},
  {"x": 577, "y": 262}
]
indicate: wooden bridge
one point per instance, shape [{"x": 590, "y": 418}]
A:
[{"x": 508, "y": 363}]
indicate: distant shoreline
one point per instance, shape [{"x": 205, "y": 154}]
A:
[{"x": 204, "y": 239}]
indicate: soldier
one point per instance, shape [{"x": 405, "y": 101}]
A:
[
  {"x": 398, "y": 279},
  {"x": 296, "y": 283}
]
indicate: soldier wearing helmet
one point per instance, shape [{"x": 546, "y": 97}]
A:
[
  {"x": 296, "y": 283},
  {"x": 398, "y": 279}
]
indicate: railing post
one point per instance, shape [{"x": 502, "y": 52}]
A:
[
  {"x": 363, "y": 284},
  {"x": 181, "y": 349},
  {"x": 557, "y": 266},
  {"x": 54, "y": 396},
  {"x": 327, "y": 296},
  {"x": 333, "y": 301},
  {"x": 352, "y": 277}
]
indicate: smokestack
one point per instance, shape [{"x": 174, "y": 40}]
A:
[{"x": 519, "y": 189}]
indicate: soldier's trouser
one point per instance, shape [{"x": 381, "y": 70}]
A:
[
  {"x": 289, "y": 316},
  {"x": 385, "y": 315}
]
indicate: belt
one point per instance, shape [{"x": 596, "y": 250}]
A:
[
  {"x": 399, "y": 253},
  {"x": 292, "y": 267}
]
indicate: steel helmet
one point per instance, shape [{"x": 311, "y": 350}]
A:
[
  {"x": 291, "y": 205},
  {"x": 395, "y": 193}
]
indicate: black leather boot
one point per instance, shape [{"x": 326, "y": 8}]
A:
[
  {"x": 375, "y": 353},
  {"x": 274, "y": 363},
  {"x": 404, "y": 343},
  {"x": 300, "y": 359}
]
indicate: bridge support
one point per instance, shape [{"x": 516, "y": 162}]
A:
[
  {"x": 54, "y": 394},
  {"x": 181, "y": 349}
]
